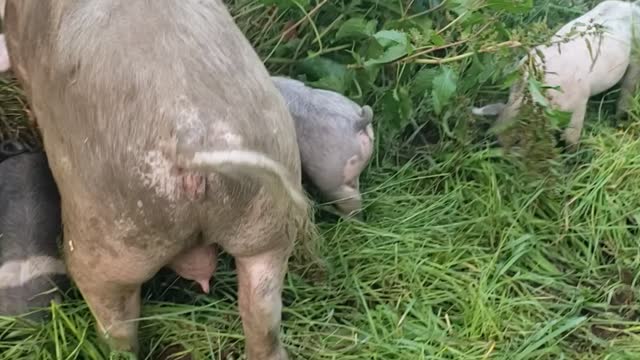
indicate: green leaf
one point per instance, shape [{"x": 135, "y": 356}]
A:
[
  {"x": 406, "y": 105},
  {"x": 356, "y": 28},
  {"x": 391, "y": 37},
  {"x": 444, "y": 86},
  {"x": 512, "y": 6},
  {"x": 437, "y": 40},
  {"x": 395, "y": 44},
  {"x": 326, "y": 73},
  {"x": 333, "y": 83},
  {"x": 423, "y": 81},
  {"x": 559, "y": 119},
  {"x": 536, "y": 93},
  {"x": 287, "y": 4},
  {"x": 397, "y": 110},
  {"x": 319, "y": 66}
]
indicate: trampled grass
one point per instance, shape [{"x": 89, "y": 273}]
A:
[{"x": 463, "y": 255}]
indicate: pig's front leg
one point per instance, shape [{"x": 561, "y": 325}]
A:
[
  {"x": 114, "y": 299},
  {"x": 115, "y": 307},
  {"x": 260, "y": 282},
  {"x": 574, "y": 130},
  {"x": 628, "y": 87},
  {"x": 5, "y": 63}
]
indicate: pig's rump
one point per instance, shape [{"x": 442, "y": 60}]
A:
[
  {"x": 130, "y": 86},
  {"x": 108, "y": 131},
  {"x": 165, "y": 134}
]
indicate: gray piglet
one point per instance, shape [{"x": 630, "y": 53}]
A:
[
  {"x": 335, "y": 137},
  {"x": 31, "y": 268}
]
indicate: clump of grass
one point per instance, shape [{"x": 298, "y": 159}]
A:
[
  {"x": 464, "y": 259},
  {"x": 15, "y": 121}
]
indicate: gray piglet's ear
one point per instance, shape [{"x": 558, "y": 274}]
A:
[
  {"x": 367, "y": 113},
  {"x": 366, "y": 118}
]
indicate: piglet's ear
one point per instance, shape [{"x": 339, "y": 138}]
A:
[
  {"x": 367, "y": 113},
  {"x": 5, "y": 63}
]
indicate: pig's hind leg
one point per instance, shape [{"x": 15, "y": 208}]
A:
[{"x": 260, "y": 283}]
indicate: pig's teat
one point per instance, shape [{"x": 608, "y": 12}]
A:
[
  {"x": 197, "y": 264},
  {"x": 204, "y": 285}
]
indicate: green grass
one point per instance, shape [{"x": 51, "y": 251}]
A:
[{"x": 464, "y": 254}]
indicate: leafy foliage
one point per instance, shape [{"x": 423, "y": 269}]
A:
[{"x": 420, "y": 63}]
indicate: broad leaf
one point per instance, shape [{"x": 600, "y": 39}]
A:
[
  {"x": 444, "y": 86},
  {"x": 356, "y": 28},
  {"x": 395, "y": 45}
]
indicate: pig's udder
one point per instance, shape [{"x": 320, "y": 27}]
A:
[{"x": 197, "y": 264}]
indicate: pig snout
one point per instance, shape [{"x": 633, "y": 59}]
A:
[
  {"x": 31, "y": 269},
  {"x": 349, "y": 198}
]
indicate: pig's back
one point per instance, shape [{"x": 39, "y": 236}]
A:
[
  {"x": 30, "y": 211},
  {"x": 122, "y": 77}
]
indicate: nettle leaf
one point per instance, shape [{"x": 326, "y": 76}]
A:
[
  {"x": 436, "y": 39},
  {"x": 395, "y": 44},
  {"x": 512, "y": 6},
  {"x": 444, "y": 86},
  {"x": 356, "y": 28},
  {"x": 423, "y": 81},
  {"x": 287, "y": 4},
  {"x": 327, "y": 73},
  {"x": 559, "y": 119},
  {"x": 536, "y": 92},
  {"x": 397, "y": 110},
  {"x": 406, "y": 105},
  {"x": 510, "y": 79}
]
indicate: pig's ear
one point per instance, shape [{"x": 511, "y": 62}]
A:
[
  {"x": 367, "y": 113},
  {"x": 366, "y": 118},
  {"x": 5, "y": 63},
  {"x": 488, "y": 110}
]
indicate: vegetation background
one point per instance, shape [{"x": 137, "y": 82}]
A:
[{"x": 466, "y": 253}]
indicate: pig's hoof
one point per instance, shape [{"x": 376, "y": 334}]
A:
[
  {"x": 358, "y": 216},
  {"x": 571, "y": 138},
  {"x": 621, "y": 114},
  {"x": 280, "y": 354}
]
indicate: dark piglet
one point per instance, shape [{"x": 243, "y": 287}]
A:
[
  {"x": 9, "y": 148},
  {"x": 31, "y": 271}
]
